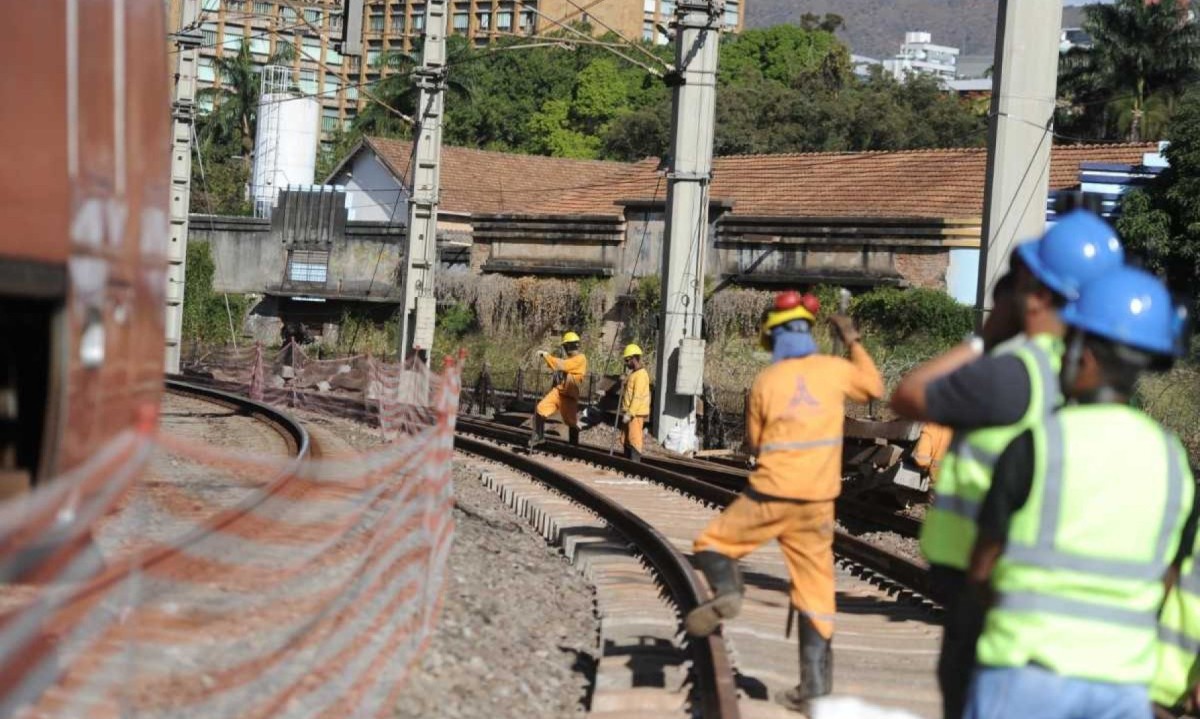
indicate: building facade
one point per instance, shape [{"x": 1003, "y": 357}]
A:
[
  {"x": 311, "y": 27},
  {"x": 919, "y": 56}
]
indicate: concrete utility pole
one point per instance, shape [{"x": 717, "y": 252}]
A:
[
  {"x": 420, "y": 257},
  {"x": 680, "y": 361},
  {"x": 1024, "y": 88},
  {"x": 183, "y": 113}
]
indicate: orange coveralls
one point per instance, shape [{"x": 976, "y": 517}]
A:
[
  {"x": 795, "y": 423},
  {"x": 931, "y": 448},
  {"x": 636, "y": 403},
  {"x": 564, "y": 397}
]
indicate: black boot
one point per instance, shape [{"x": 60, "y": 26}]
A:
[
  {"x": 725, "y": 578},
  {"x": 573, "y": 435},
  {"x": 633, "y": 454},
  {"x": 539, "y": 431},
  {"x": 816, "y": 670}
]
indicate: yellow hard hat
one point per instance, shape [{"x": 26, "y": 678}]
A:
[
  {"x": 631, "y": 351},
  {"x": 570, "y": 337}
]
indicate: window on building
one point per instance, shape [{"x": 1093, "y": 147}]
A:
[
  {"x": 263, "y": 8},
  {"x": 504, "y": 21},
  {"x": 308, "y": 82},
  {"x": 351, "y": 92},
  {"x": 205, "y": 104},
  {"x": 354, "y": 62},
  {"x": 335, "y": 22},
  {"x": 649, "y": 5},
  {"x": 233, "y": 38},
  {"x": 377, "y": 23},
  {"x": 398, "y": 22},
  {"x": 312, "y": 48},
  {"x": 235, "y": 5},
  {"x": 329, "y": 119},
  {"x": 461, "y": 20},
  {"x": 288, "y": 15},
  {"x": 527, "y": 21},
  {"x": 313, "y": 16},
  {"x": 666, "y": 9},
  {"x": 308, "y": 266},
  {"x": 418, "y": 21},
  {"x": 260, "y": 45},
  {"x": 485, "y": 20},
  {"x": 648, "y": 30},
  {"x": 333, "y": 57},
  {"x": 210, "y": 5},
  {"x": 205, "y": 71},
  {"x": 731, "y": 13},
  {"x": 373, "y": 58},
  {"x": 209, "y": 31}
]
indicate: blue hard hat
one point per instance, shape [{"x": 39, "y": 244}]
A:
[
  {"x": 1130, "y": 307},
  {"x": 1079, "y": 247}
]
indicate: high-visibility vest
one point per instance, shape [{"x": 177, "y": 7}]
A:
[
  {"x": 948, "y": 532},
  {"x": 1079, "y": 585},
  {"x": 1178, "y": 639}
]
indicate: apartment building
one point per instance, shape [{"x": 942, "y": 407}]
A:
[{"x": 311, "y": 26}]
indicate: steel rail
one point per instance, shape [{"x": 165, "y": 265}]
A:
[
  {"x": 716, "y": 689},
  {"x": 901, "y": 570}
]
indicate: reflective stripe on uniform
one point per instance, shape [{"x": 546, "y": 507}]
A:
[
  {"x": 1043, "y": 552},
  {"x": 954, "y": 504},
  {"x": 790, "y": 446},
  {"x": 1075, "y": 608},
  {"x": 1178, "y": 639}
]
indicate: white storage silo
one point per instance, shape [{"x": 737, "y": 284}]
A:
[{"x": 285, "y": 143}]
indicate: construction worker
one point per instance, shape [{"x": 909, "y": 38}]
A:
[
  {"x": 635, "y": 403},
  {"x": 989, "y": 400},
  {"x": 931, "y": 449},
  {"x": 1082, "y": 522},
  {"x": 563, "y": 397},
  {"x": 794, "y": 427}
]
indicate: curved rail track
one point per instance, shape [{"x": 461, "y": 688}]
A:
[{"x": 752, "y": 653}]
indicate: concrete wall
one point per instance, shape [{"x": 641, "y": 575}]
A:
[{"x": 364, "y": 261}]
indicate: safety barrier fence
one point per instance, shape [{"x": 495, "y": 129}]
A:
[{"x": 272, "y": 588}]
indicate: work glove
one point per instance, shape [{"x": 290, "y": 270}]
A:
[
  {"x": 844, "y": 326},
  {"x": 626, "y": 418}
]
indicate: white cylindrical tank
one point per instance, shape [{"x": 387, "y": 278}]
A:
[{"x": 285, "y": 146}]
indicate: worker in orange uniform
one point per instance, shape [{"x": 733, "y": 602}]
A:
[
  {"x": 635, "y": 403},
  {"x": 931, "y": 448},
  {"x": 563, "y": 397},
  {"x": 794, "y": 429}
]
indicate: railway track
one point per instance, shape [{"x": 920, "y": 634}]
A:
[{"x": 886, "y": 644}]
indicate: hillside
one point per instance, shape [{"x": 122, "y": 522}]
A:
[{"x": 877, "y": 28}]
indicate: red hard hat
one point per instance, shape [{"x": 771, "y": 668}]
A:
[
  {"x": 787, "y": 300},
  {"x": 811, "y": 303}
]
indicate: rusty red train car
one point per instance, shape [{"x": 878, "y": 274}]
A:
[{"x": 85, "y": 188}]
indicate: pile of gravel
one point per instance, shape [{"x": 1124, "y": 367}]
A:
[{"x": 518, "y": 631}]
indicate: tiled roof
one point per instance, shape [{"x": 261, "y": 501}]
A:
[
  {"x": 479, "y": 181},
  {"x": 917, "y": 183}
]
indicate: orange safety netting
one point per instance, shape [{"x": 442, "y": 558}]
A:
[{"x": 302, "y": 588}]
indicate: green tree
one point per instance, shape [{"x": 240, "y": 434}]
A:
[
  {"x": 1139, "y": 49},
  {"x": 1162, "y": 223}
]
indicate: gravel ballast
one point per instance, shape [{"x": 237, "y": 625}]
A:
[{"x": 518, "y": 632}]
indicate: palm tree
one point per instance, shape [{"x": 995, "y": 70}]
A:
[
  {"x": 1139, "y": 49},
  {"x": 235, "y": 110},
  {"x": 397, "y": 90}
]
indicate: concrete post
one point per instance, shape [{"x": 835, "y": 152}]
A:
[
  {"x": 680, "y": 361},
  {"x": 420, "y": 260},
  {"x": 1024, "y": 87},
  {"x": 183, "y": 113}
]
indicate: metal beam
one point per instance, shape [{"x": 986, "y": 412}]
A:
[
  {"x": 183, "y": 113},
  {"x": 1020, "y": 133},
  {"x": 420, "y": 258},
  {"x": 680, "y": 360}
]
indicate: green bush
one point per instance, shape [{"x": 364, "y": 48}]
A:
[
  {"x": 455, "y": 320},
  {"x": 898, "y": 316},
  {"x": 206, "y": 316}
]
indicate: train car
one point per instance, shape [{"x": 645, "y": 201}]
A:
[{"x": 85, "y": 188}]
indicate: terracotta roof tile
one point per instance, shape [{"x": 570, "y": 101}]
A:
[
  {"x": 479, "y": 181},
  {"x": 917, "y": 183}
]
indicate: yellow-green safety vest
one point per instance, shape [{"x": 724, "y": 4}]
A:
[
  {"x": 1178, "y": 639},
  {"x": 1079, "y": 585},
  {"x": 948, "y": 532}
]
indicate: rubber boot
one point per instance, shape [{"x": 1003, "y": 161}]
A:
[
  {"x": 539, "y": 431},
  {"x": 633, "y": 454},
  {"x": 725, "y": 578},
  {"x": 816, "y": 670},
  {"x": 573, "y": 435}
]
